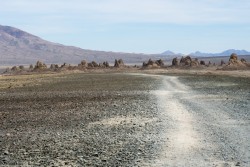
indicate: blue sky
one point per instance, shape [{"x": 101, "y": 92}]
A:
[{"x": 140, "y": 26}]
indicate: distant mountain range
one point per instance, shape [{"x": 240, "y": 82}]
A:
[
  {"x": 224, "y": 53},
  {"x": 200, "y": 54},
  {"x": 19, "y": 47},
  {"x": 170, "y": 53}
]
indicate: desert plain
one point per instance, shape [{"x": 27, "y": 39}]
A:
[{"x": 126, "y": 118}]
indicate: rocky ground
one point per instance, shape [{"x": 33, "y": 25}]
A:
[
  {"x": 124, "y": 120},
  {"x": 78, "y": 120},
  {"x": 206, "y": 120},
  {"x": 220, "y": 106}
]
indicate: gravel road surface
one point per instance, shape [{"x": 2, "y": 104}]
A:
[
  {"x": 206, "y": 121},
  {"x": 125, "y": 120}
]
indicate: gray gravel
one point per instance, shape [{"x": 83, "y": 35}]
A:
[
  {"x": 126, "y": 120},
  {"x": 206, "y": 121},
  {"x": 79, "y": 120}
]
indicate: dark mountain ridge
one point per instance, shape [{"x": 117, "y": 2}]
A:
[
  {"x": 201, "y": 54},
  {"x": 20, "y": 47},
  {"x": 224, "y": 53}
]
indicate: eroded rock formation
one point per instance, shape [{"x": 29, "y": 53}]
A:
[
  {"x": 186, "y": 61},
  {"x": 40, "y": 66},
  {"x": 175, "y": 62},
  {"x": 154, "y": 64},
  {"x": 119, "y": 63}
]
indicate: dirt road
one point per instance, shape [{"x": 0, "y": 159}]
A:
[
  {"x": 121, "y": 119},
  {"x": 202, "y": 128}
]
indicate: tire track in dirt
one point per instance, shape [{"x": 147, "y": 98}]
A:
[
  {"x": 186, "y": 126},
  {"x": 181, "y": 141}
]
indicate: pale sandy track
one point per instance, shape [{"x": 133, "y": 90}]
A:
[{"x": 198, "y": 132}]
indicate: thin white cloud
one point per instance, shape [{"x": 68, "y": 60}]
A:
[{"x": 162, "y": 11}]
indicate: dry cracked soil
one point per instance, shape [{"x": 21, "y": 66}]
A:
[{"x": 122, "y": 119}]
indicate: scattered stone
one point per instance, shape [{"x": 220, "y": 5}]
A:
[
  {"x": 65, "y": 65},
  {"x": 8, "y": 70},
  {"x": 195, "y": 63},
  {"x": 119, "y": 63},
  {"x": 243, "y": 60},
  {"x": 151, "y": 63},
  {"x": 237, "y": 164},
  {"x": 234, "y": 57},
  {"x": 202, "y": 62},
  {"x": 233, "y": 60},
  {"x": 106, "y": 64},
  {"x": 54, "y": 67},
  {"x": 83, "y": 64},
  {"x": 31, "y": 67},
  {"x": 185, "y": 61},
  {"x": 159, "y": 62},
  {"x": 90, "y": 65},
  {"x": 15, "y": 68},
  {"x": 21, "y": 68},
  {"x": 95, "y": 155},
  {"x": 6, "y": 152},
  {"x": 175, "y": 62},
  {"x": 95, "y": 64},
  {"x": 222, "y": 62},
  {"x": 235, "y": 64},
  {"x": 40, "y": 66}
]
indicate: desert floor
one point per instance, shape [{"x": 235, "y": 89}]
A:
[{"x": 142, "y": 118}]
